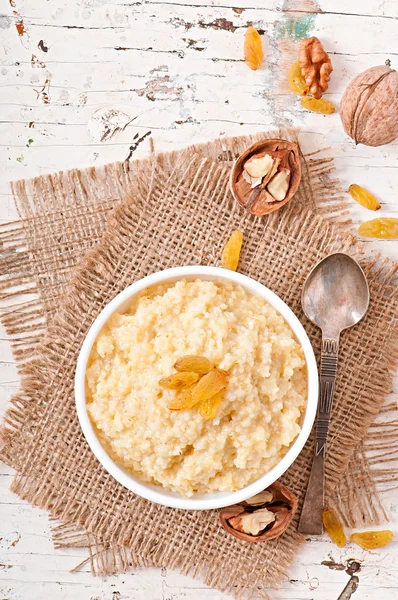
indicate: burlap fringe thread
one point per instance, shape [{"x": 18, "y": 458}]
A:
[{"x": 31, "y": 305}]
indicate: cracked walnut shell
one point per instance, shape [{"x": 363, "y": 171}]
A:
[
  {"x": 264, "y": 517},
  {"x": 316, "y": 66},
  {"x": 257, "y": 198}
]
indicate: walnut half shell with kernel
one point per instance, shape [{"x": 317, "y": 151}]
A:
[
  {"x": 266, "y": 176},
  {"x": 263, "y": 517}
]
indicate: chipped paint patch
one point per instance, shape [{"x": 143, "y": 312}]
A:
[
  {"x": 160, "y": 86},
  {"x": 30, "y": 142},
  {"x": 19, "y": 24},
  {"x": 44, "y": 93},
  {"x": 42, "y": 46},
  {"x": 35, "y": 62},
  {"x": 136, "y": 142},
  {"x": 331, "y": 564},
  {"x": 193, "y": 44},
  {"x": 217, "y": 24},
  {"x": 105, "y": 123},
  {"x": 160, "y": 69},
  {"x": 351, "y": 566},
  {"x": 22, "y": 31},
  {"x": 20, "y": 158},
  {"x": 295, "y": 27},
  {"x": 188, "y": 120},
  {"x": 10, "y": 540}
]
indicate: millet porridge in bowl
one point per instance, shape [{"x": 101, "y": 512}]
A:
[{"x": 259, "y": 410}]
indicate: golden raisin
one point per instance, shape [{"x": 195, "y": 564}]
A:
[
  {"x": 323, "y": 106},
  {"x": 195, "y": 364},
  {"x": 363, "y": 197},
  {"x": 333, "y": 527},
  {"x": 210, "y": 384},
  {"x": 178, "y": 380},
  {"x": 184, "y": 400},
  {"x": 297, "y": 82},
  {"x": 208, "y": 409},
  {"x": 372, "y": 539},
  {"x": 385, "y": 228},
  {"x": 253, "y": 49},
  {"x": 231, "y": 252}
]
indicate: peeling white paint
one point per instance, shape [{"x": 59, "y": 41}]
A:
[{"x": 106, "y": 123}]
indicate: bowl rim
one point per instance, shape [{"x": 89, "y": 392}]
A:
[{"x": 211, "y": 500}]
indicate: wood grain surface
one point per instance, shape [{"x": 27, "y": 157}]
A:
[{"x": 175, "y": 69}]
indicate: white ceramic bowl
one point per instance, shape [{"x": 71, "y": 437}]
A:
[{"x": 157, "y": 493}]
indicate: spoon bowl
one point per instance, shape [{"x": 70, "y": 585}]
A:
[{"x": 336, "y": 294}]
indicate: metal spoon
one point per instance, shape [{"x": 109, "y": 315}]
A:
[{"x": 335, "y": 296}]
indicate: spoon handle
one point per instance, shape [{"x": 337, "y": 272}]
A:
[{"x": 311, "y": 514}]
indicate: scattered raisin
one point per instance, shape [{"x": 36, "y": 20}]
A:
[
  {"x": 372, "y": 539},
  {"x": 323, "y": 106},
  {"x": 385, "y": 228},
  {"x": 297, "y": 82},
  {"x": 363, "y": 197},
  {"x": 333, "y": 527},
  {"x": 253, "y": 49},
  {"x": 231, "y": 252}
]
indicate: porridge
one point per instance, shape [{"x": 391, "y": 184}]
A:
[{"x": 258, "y": 417}]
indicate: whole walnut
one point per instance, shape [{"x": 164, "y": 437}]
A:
[
  {"x": 315, "y": 65},
  {"x": 369, "y": 107}
]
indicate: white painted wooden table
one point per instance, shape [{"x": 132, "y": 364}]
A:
[{"x": 176, "y": 68}]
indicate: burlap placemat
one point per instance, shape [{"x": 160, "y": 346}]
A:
[{"x": 176, "y": 210}]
